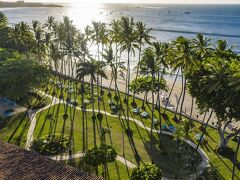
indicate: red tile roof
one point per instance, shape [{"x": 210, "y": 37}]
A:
[{"x": 20, "y": 164}]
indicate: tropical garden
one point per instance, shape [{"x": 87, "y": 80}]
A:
[{"x": 86, "y": 108}]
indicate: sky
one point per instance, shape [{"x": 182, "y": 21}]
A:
[{"x": 142, "y": 1}]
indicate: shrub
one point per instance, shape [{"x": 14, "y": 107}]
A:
[
  {"x": 146, "y": 171},
  {"x": 100, "y": 155},
  {"x": 50, "y": 145}
]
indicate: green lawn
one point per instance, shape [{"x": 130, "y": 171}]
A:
[
  {"x": 224, "y": 165},
  {"x": 15, "y": 129},
  {"x": 139, "y": 144}
]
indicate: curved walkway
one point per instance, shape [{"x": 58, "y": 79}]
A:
[
  {"x": 55, "y": 101},
  {"x": 79, "y": 155},
  {"x": 32, "y": 116}
]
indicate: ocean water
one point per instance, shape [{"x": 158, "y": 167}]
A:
[
  {"x": 211, "y": 19},
  {"x": 168, "y": 21}
]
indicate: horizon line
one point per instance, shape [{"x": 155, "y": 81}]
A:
[{"x": 183, "y": 3}]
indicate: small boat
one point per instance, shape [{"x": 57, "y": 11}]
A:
[{"x": 186, "y": 12}]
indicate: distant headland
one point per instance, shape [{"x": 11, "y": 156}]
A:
[{"x": 25, "y": 4}]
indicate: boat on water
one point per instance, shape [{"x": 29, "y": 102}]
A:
[{"x": 186, "y": 12}]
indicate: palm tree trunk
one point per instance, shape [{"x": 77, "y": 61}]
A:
[
  {"x": 180, "y": 97},
  {"x": 127, "y": 87},
  {"x": 170, "y": 93},
  {"x": 93, "y": 115},
  {"x": 204, "y": 131},
  {"x": 83, "y": 116},
  {"x": 151, "y": 146},
  {"x": 183, "y": 98},
  {"x": 191, "y": 111},
  {"x": 138, "y": 65}
]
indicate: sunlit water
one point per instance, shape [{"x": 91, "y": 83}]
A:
[{"x": 218, "y": 20}]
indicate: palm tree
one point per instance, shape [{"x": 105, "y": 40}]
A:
[
  {"x": 115, "y": 35},
  {"x": 103, "y": 37},
  {"x": 94, "y": 69},
  {"x": 150, "y": 66},
  {"x": 160, "y": 51},
  {"x": 82, "y": 54},
  {"x": 50, "y": 23},
  {"x": 25, "y": 36},
  {"x": 39, "y": 45},
  {"x": 203, "y": 50},
  {"x": 4, "y": 31},
  {"x": 184, "y": 60},
  {"x": 128, "y": 43},
  {"x": 202, "y": 47},
  {"x": 222, "y": 50},
  {"x": 143, "y": 36},
  {"x": 98, "y": 32},
  {"x": 3, "y": 20}
]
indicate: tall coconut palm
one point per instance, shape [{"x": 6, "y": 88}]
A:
[
  {"x": 202, "y": 47},
  {"x": 203, "y": 50},
  {"x": 117, "y": 67},
  {"x": 50, "y": 23},
  {"x": 3, "y": 20},
  {"x": 142, "y": 33},
  {"x": 128, "y": 42},
  {"x": 98, "y": 32},
  {"x": 115, "y": 37},
  {"x": 150, "y": 66},
  {"x": 184, "y": 60},
  {"x": 14, "y": 36},
  {"x": 39, "y": 47},
  {"x": 4, "y": 31},
  {"x": 94, "y": 69},
  {"x": 26, "y": 37},
  {"x": 160, "y": 50},
  {"x": 103, "y": 36},
  {"x": 222, "y": 50}
]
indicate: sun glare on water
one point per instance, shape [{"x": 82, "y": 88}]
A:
[{"x": 84, "y": 12}]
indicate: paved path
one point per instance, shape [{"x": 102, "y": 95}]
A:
[
  {"x": 32, "y": 116},
  {"x": 79, "y": 155},
  {"x": 55, "y": 101}
]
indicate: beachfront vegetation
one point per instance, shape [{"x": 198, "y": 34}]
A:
[{"x": 210, "y": 73}]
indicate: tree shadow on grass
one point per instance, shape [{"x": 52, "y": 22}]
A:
[
  {"x": 223, "y": 162},
  {"x": 56, "y": 118},
  {"x": 229, "y": 153},
  {"x": 19, "y": 138},
  {"x": 110, "y": 137},
  {"x": 44, "y": 123},
  {"x": 71, "y": 136}
]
